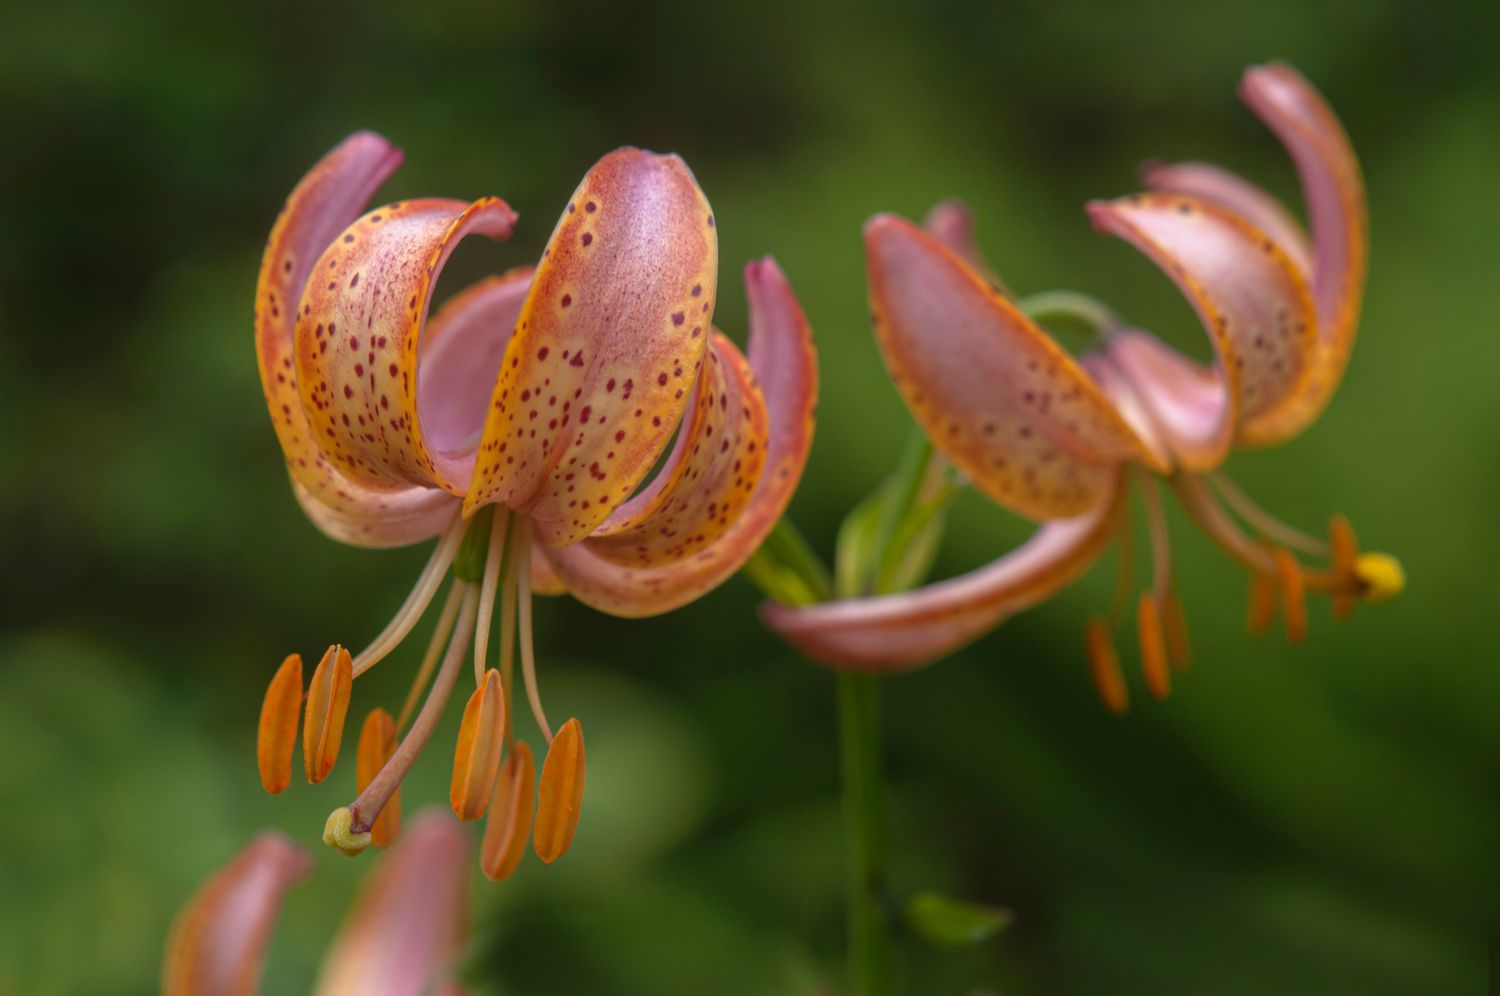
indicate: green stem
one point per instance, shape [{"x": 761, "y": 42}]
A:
[{"x": 864, "y": 804}]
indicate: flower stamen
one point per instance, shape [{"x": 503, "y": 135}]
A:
[
  {"x": 528, "y": 653},
  {"x": 1148, "y": 624},
  {"x": 1293, "y": 594},
  {"x": 416, "y": 603},
  {"x": 1264, "y": 522},
  {"x": 276, "y": 737},
  {"x": 476, "y": 759},
  {"x": 327, "y": 709},
  {"x": 446, "y": 618},
  {"x": 492, "y": 560},
  {"x": 377, "y": 742},
  {"x": 1104, "y": 666},
  {"x": 363, "y": 811}
]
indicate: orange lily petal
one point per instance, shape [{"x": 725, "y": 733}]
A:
[
  {"x": 327, "y": 707},
  {"x": 1335, "y": 195},
  {"x": 217, "y": 943},
  {"x": 709, "y": 477},
  {"x": 952, "y": 224},
  {"x": 331, "y": 196},
  {"x": 610, "y": 341},
  {"x": 406, "y": 930},
  {"x": 785, "y": 363},
  {"x": 277, "y": 736},
  {"x": 481, "y": 741},
  {"x": 509, "y": 825},
  {"x": 993, "y": 392},
  {"x": 1232, "y": 191},
  {"x": 359, "y": 341},
  {"x": 894, "y": 632},
  {"x": 561, "y": 793},
  {"x": 377, "y": 742},
  {"x": 1251, "y": 298}
]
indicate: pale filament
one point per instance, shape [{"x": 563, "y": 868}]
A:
[
  {"x": 416, "y": 603},
  {"x": 1264, "y": 521},
  {"x": 1212, "y": 519},
  {"x": 528, "y": 654},
  {"x": 488, "y": 584},
  {"x": 1161, "y": 543},
  {"x": 367, "y": 806},
  {"x": 508, "y": 635},
  {"x": 434, "y": 650}
]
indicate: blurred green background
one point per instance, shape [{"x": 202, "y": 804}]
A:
[{"x": 1319, "y": 819}]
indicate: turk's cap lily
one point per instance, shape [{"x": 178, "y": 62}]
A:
[
  {"x": 518, "y": 425},
  {"x": 1061, "y": 440},
  {"x": 403, "y": 935}
]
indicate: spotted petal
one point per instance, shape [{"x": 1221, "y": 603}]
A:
[
  {"x": 1230, "y": 190},
  {"x": 993, "y": 392},
  {"x": 895, "y": 632},
  {"x": 610, "y": 342},
  {"x": 217, "y": 943},
  {"x": 1252, "y": 300},
  {"x": 359, "y": 336},
  {"x": 331, "y": 196},
  {"x": 406, "y": 930},
  {"x": 1335, "y": 194},
  {"x": 785, "y": 367}
]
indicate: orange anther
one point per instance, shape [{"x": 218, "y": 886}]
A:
[
  {"x": 1174, "y": 622},
  {"x": 561, "y": 793},
  {"x": 509, "y": 826},
  {"x": 377, "y": 742},
  {"x": 327, "y": 708},
  {"x": 277, "y": 736},
  {"x": 1104, "y": 665},
  {"x": 1343, "y": 549},
  {"x": 1153, "y": 646},
  {"x": 1293, "y": 595},
  {"x": 1262, "y": 610},
  {"x": 481, "y": 741}
]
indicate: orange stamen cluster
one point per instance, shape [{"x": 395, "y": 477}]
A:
[{"x": 492, "y": 772}]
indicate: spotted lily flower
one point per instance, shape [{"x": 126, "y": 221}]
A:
[
  {"x": 1062, "y": 440},
  {"x": 403, "y": 936},
  {"x": 516, "y": 427}
]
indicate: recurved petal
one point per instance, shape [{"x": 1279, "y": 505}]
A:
[
  {"x": 896, "y": 632},
  {"x": 1334, "y": 192},
  {"x": 785, "y": 364},
  {"x": 1182, "y": 402},
  {"x": 359, "y": 344},
  {"x": 952, "y": 224},
  {"x": 609, "y": 344},
  {"x": 995, "y": 395},
  {"x": 218, "y": 941},
  {"x": 709, "y": 477},
  {"x": 1253, "y": 302},
  {"x": 406, "y": 930},
  {"x": 332, "y": 195},
  {"x": 1232, "y": 191}
]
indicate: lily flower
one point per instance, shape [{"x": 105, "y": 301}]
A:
[
  {"x": 516, "y": 427},
  {"x": 1062, "y": 441},
  {"x": 403, "y": 936}
]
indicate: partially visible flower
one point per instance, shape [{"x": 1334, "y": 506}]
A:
[
  {"x": 1061, "y": 440},
  {"x": 516, "y": 427},
  {"x": 403, "y": 936}
]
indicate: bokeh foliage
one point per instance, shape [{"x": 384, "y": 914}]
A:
[{"x": 1312, "y": 820}]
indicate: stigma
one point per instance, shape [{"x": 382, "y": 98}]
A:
[{"x": 488, "y": 559}]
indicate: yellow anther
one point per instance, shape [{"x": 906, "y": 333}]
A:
[
  {"x": 1381, "y": 575},
  {"x": 338, "y": 833}
]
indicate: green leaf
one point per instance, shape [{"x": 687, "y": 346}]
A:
[{"x": 954, "y": 923}]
